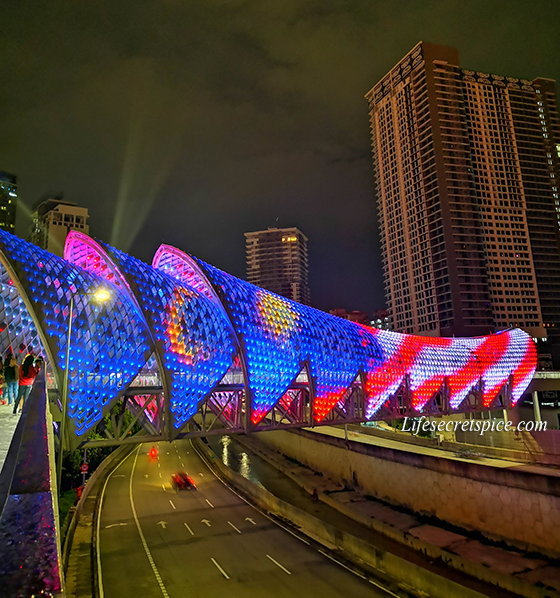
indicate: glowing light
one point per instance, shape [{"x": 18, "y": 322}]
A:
[{"x": 102, "y": 295}]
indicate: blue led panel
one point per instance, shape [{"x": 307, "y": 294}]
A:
[
  {"x": 193, "y": 332},
  {"x": 279, "y": 336},
  {"x": 108, "y": 342}
]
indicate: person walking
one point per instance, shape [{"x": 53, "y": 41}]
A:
[
  {"x": 11, "y": 376},
  {"x": 27, "y": 373}
]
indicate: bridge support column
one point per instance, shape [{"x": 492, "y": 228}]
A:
[{"x": 536, "y": 407}]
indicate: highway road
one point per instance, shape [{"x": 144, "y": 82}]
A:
[{"x": 209, "y": 543}]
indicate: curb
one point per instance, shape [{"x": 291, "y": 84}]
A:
[{"x": 78, "y": 556}]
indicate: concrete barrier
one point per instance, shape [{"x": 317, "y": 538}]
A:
[{"x": 519, "y": 507}]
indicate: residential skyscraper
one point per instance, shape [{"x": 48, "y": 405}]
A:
[
  {"x": 467, "y": 166},
  {"x": 8, "y": 201},
  {"x": 53, "y": 217},
  {"x": 277, "y": 261}
]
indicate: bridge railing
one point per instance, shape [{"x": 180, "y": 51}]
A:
[{"x": 29, "y": 528}]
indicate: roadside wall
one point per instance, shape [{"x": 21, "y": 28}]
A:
[{"x": 520, "y": 507}]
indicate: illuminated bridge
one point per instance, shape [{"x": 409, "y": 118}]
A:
[
  {"x": 191, "y": 350},
  {"x": 182, "y": 348}
]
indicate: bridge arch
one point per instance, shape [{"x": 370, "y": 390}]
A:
[
  {"x": 191, "y": 336},
  {"x": 108, "y": 342}
]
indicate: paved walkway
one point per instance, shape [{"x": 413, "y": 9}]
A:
[
  {"x": 8, "y": 423},
  {"x": 438, "y": 452}
]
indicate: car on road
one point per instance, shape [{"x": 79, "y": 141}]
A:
[{"x": 182, "y": 481}]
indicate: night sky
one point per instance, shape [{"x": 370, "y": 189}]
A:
[{"x": 192, "y": 122}]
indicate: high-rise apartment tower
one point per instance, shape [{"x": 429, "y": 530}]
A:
[
  {"x": 53, "y": 218},
  {"x": 467, "y": 169},
  {"x": 277, "y": 261},
  {"x": 8, "y": 201}
]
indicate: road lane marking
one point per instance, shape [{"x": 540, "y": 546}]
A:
[
  {"x": 208, "y": 524},
  {"x": 160, "y": 474},
  {"x": 201, "y": 475},
  {"x": 163, "y": 524},
  {"x": 342, "y": 564},
  {"x": 190, "y": 530},
  {"x": 115, "y": 525},
  {"x": 171, "y": 503},
  {"x": 168, "y": 453},
  {"x": 98, "y": 543},
  {"x": 141, "y": 533},
  {"x": 250, "y": 520},
  {"x": 378, "y": 585},
  {"x": 159, "y": 464},
  {"x": 188, "y": 453},
  {"x": 241, "y": 497},
  {"x": 163, "y": 488},
  {"x": 278, "y": 564},
  {"x": 219, "y": 568},
  {"x": 209, "y": 503},
  {"x": 182, "y": 465},
  {"x": 238, "y": 531},
  {"x": 120, "y": 475}
]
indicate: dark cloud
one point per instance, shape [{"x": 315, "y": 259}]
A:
[{"x": 193, "y": 122}]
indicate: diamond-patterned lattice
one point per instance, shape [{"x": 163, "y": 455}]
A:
[
  {"x": 196, "y": 337},
  {"x": 108, "y": 342},
  {"x": 280, "y": 336}
]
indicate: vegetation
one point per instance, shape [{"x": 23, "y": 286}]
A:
[{"x": 72, "y": 460}]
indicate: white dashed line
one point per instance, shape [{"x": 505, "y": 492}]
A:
[
  {"x": 209, "y": 503},
  {"x": 220, "y": 569},
  {"x": 171, "y": 503},
  {"x": 278, "y": 564},
  {"x": 190, "y": 530},
  {"x": 230, "y": 523},
  {"x": 163, "y": 488}
]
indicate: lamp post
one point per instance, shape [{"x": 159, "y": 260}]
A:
[{"x": 101, "y": 295}]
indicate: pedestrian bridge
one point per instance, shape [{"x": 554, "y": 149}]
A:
[
  {"x": 188, "y": 349},
  {"x": 182, "y": 348}
]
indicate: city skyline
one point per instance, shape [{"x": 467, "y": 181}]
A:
[{"x": 260, "y": 118}]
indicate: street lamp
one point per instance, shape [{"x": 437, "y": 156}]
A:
[{"x": 101, "y": 295}]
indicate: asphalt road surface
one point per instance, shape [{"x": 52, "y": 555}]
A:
[{"x": 208, "y": 543}]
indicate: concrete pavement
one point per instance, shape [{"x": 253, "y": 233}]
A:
[
  {"x": 434, "y": 451},
  {"x": 8, "y": 423},
  {"x": 203, "y": 543}
]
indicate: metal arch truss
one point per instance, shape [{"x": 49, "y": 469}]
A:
[
  {"x": 184, "y": 349},
  {"x": 223, "y": 411}
]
